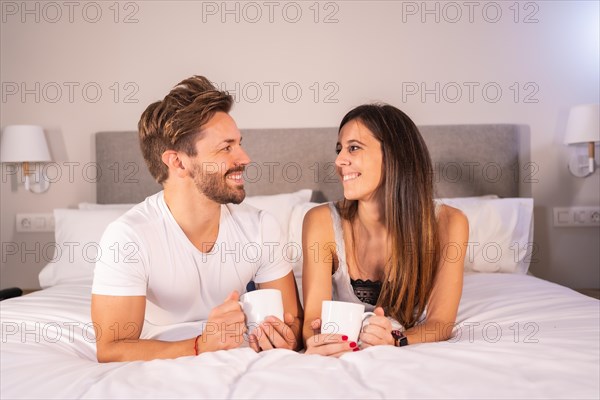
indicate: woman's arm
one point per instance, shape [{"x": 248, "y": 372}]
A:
[
  {"x": 318, "y": 249},
  {"x": 447, "y": 290},
  {"x": 318, "y": 245}
]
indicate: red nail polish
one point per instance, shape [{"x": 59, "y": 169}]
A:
[
  {"x": 352, "y": 345},
  {"x": 344, "y": 337},
  {"x": 356, "y": 349}
]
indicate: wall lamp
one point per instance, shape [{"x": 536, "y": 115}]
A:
[
  {"x": 583, "y": 126},
  {"x": 26, "y": 144}
]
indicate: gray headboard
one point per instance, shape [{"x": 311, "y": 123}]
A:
[{"x": 469, "y": 160}]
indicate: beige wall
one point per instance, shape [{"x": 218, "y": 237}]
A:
[{"x": 545, "y": 62}]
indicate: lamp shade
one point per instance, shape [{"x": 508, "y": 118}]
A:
[
  {"x": 24, "y": 143},
  {"x": 583, "y": 125}
]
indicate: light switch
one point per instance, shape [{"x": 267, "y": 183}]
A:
[
  {"x": 563, "y": 217},
  {"x": 576, "y": 216},
  {"x": 35, "y": 222}
]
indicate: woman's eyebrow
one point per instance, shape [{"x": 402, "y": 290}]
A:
[{"x": 355, "y": 141}]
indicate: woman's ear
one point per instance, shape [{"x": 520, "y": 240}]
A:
[{"x": 173, "y": 161}]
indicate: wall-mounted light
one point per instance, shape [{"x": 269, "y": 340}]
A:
[
  {"x": 26, "y": 144},
  {"x": 583, "y": 126}
]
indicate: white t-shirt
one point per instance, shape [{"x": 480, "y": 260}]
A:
[{"x": 146, "y": 253}]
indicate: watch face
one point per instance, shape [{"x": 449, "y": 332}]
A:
[
  {"x": 399, "y": 338},
  {"x": 403, "y": 341}
]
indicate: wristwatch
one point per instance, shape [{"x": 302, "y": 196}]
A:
[{"x": 399, "y": 338}]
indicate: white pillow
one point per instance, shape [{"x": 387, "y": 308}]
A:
[
  {"x": 77, "y": 235},
  {"x": 95, "y": 206},
  {"x": 294, "y": 248},
  {"x": 80, "y": 231},
  {"x": 280, "y": 205},
  {"x": 494, "y": 224},
  {"x": 500, "y": 233}
]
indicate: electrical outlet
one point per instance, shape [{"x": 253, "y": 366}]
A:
[
  {"x": 35, "y": 222},
  {"x": 576, "y": 216}
]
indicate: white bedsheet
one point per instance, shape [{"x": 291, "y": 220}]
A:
[{"x": 518, "y": 337}]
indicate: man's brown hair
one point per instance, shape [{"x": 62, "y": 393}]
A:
[{"x": 174, "y": 123}]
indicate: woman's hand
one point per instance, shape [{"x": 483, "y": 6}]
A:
[
  {"x": 327, "y": 344},
  {"x": 378, "y": 331}
]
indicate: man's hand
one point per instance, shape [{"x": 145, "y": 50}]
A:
[
  {"x": 378, "y": 331},
  {"x": 327, "y": 344},
  {"x": 225, "y": 327},
  {"x": 273, "y": 333}
]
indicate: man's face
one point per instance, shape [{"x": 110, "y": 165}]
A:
[{"x": 220, "y": 161}]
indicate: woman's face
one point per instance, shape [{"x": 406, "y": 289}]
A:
[{"x": 359, "y": 161}]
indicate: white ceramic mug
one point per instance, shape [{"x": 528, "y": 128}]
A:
[
  {"x": 259, "y": 304},
  {"x": 342, "y": 318}
]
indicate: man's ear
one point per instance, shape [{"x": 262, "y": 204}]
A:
[{"x": 172, "y": 160}]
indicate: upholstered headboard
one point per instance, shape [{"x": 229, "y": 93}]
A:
[{"x": 469, "y": 160}]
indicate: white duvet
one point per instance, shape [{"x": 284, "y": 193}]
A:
[{"x": 517, "y": 337}]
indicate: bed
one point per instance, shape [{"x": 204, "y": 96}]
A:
[{"x": 516, "y": 336}]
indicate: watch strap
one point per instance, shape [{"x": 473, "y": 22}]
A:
[{"x": 399, "y": 339}]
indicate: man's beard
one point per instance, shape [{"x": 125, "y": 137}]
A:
[{"x": 214, "y": 185}]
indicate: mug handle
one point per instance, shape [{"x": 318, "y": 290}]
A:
[
  {"x": 246, "y": 340},
  {"x": 365, "y": 322},
  {"x": 365, "y": 317},
  {"x": 242, "y": 307}
]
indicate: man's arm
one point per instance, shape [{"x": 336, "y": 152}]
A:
[
  {"x": 290, "y": 332},
  {"x": 118, "y": 322}
]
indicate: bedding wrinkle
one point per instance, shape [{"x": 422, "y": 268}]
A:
[
  {"x": 295, "y": 378},
  {"x": 247, "y": 368},
  {"x": 559, "y": 360},
  {"x": 117, "y": 370},
  {"x": 364, "y": 378},
  {"x": 548, "y": 342}
]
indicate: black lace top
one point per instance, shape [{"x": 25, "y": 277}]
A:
[{"x": 366, "y": 291}]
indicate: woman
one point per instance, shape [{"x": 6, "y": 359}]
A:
[{"x": 395, "y": 250}]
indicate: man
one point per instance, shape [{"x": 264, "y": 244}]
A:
[{"x": 193, "y": 252}]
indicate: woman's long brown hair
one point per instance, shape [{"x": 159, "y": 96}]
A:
[{"x": 407, "y": 196}]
